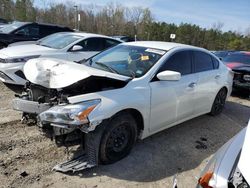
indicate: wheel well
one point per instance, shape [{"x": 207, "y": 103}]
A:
[
  {"x": 224, "y": 88},
  {"x": 137, "y": 117}
]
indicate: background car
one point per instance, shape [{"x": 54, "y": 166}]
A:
[
  {"x": 242, "y": 78},
  {"x": 27, "y": 31},
  {"x": 3, "y": 21},
  {"x": 125, "y": 38},
  {"x": 229, "y": 167},
  {"x": 67, "y": 45},
  {"x": 222, "y": 54},
  {"x": 130, "y": 91},
  {"x": 237, "y": 59}
]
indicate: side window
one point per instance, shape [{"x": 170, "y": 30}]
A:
[
  {"x": 179, "y": 62},
  {"x": 92, "y": 44},
  {"x": 215, "y": 62},
  {"x": 202, "y": 61},
  {"x": 29, "y": 30},
  {"x": 47, "y": 30},
  {"x": 109, "y": 43}
]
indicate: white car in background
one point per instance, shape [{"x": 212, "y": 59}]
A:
[
  {"x": 130, "y": 91},
  {"x": 65, "y": 45},
  {"x": 230, "y": 166}
]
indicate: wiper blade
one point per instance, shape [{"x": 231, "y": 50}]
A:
[{"x": 106, "y": 66}]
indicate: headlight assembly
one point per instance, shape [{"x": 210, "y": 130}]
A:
[
  {"x": 21, "y": 59},
  {"x": 71, "y": 114}
]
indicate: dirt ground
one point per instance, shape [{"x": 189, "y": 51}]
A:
[{"x": 27, "y": 156}]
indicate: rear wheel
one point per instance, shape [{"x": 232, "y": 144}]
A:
[
  {"x": 219, "y": 102},
  {"x": 118, "y": 138}
]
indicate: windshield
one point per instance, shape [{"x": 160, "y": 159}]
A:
[
  {"x": 59, "y": 40},
  {"x": 132, "y": 61},
  {"x": 11, "y": 27},
  {"x": 240, "y": 58}
]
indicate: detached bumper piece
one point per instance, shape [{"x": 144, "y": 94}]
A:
[
  {"x": 29, "y": 106},
  {"x": 90, "y": 159},
  {"x": 80, "y": 163}
]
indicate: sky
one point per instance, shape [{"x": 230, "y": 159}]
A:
[{"x": 234, "y": 14}]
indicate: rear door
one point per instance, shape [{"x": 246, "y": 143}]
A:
[
  {"x": 173, "y": 101},
  {"x": 209, "y": 83}
]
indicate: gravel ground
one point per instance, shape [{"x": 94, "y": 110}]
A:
[{"x": 27, "y": 156}]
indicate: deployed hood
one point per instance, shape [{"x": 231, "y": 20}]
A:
[
  {"x": 56, "y": 73},
  {"x": 25, "y": 50},
  {"x": 244, "y": 162}
]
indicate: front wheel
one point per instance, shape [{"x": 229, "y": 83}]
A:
[
  {"x": 219, "y": 102},
  {"x": 118, "y": 138}
]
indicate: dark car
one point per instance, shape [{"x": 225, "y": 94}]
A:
[
  {"x": 222, "y": 54},
  {"x": 242, "y": 78},
  {"x": 237, "y": 59},
  {"x": 125, "y": 38},
  {"x": 3, "y": 21},
  {"x": 27, "y": 31}
]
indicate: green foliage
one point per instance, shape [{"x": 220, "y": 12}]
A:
[{"x": 115, "y": 19}]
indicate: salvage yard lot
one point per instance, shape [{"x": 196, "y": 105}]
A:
[{"x": 27, "y": 156}]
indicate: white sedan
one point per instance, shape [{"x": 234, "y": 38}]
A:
[
  {"x": 130, "y": 91},
  {"x": 66, "y": 45}
]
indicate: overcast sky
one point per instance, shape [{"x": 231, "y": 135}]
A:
[{"x": 234, "y": 14}]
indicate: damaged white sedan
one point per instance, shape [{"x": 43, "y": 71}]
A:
[{"x": 128, "y": 92}]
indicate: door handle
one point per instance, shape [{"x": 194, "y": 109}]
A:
[
  {"x": 217, "y": 76},
  {"x": 192, "y": 85}
]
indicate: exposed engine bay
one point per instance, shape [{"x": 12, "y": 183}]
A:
[{"x": 52, "y": 97}]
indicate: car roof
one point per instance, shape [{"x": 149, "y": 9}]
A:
[
  {"x": 159, "y": 45},
  {"x": 86, "y": 35}
]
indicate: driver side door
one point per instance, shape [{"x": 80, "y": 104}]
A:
[{"x": 173, "y": 101}]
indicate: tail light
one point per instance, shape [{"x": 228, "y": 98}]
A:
[{"x": 204, "y": 180}]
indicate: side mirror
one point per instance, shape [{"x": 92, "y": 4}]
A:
[
  {"x": 76, "y": 48},
  {"x": 169, "y": 76}
]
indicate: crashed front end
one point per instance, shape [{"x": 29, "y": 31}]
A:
[
  {"x": 45, "y": 101},
  {"x": 242, "y": 78}
]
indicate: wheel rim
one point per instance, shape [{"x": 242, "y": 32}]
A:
[
  {"x": 220, "y": 101},
  {"x": 118, "y": 141}
]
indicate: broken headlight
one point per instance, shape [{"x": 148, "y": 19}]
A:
[
  {"x": 21, "y": 59},
  {"x": 72, "y": 114}
]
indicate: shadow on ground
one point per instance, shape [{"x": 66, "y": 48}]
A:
[{"x": 177, "y": 149}]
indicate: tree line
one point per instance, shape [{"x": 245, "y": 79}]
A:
[{"x": 115, "y": 19}]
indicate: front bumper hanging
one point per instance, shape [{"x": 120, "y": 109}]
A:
[{"x": 90, "y": 158}]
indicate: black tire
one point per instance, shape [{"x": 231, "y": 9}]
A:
[
  {"x": 118, "y": 138},
  {"x": 219, "y": 102}
]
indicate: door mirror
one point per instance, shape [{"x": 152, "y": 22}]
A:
[
  {"x": 76, "y": 48},
  {"x": 169, "y": 76}
]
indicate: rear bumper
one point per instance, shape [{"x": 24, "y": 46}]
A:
[{"x": 27, "y": 106}]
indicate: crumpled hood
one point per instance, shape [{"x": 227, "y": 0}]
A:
[
  {"x": 56, "y": 73},
  {"x": 24, "y": 50}
]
